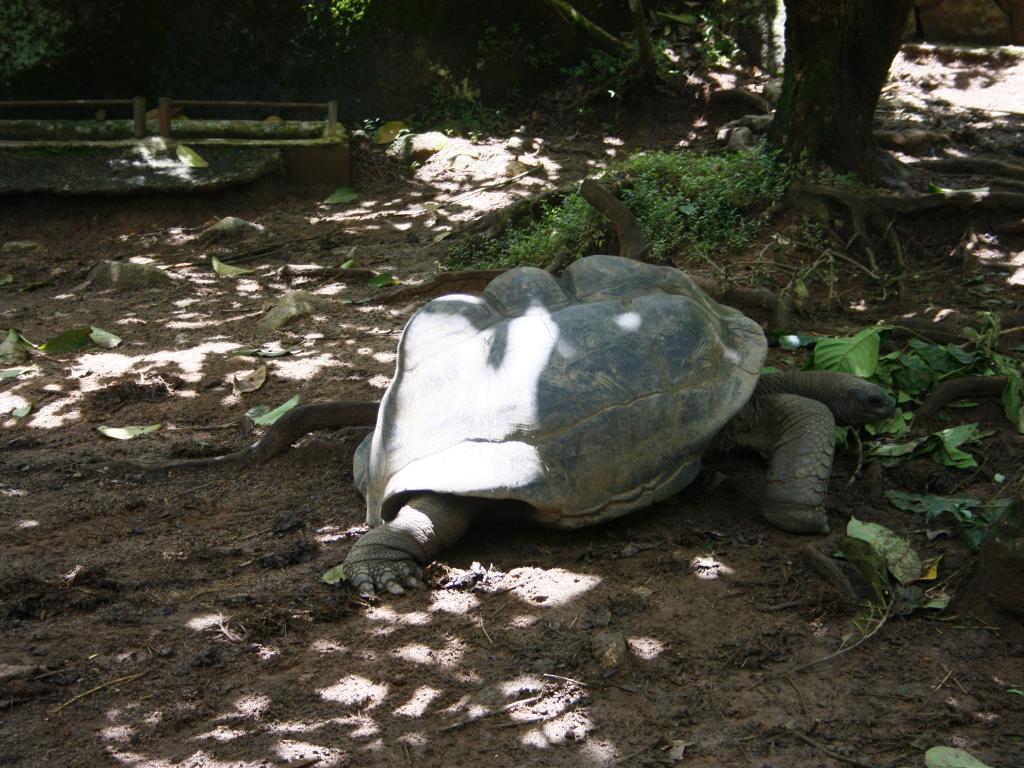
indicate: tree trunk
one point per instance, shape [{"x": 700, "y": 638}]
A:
[{"x": 838, "y": 54}]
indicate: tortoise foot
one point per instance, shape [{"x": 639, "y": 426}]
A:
[
  {"x": 796, "y": 518},
  {"x": 373, "y": 565}
]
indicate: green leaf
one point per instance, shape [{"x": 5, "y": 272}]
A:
[
  {"x": 897, "y": 424},
  {"x": 273, "y": 349},
  {"x": 342, "y": 195},
  {"x": 103, "y": 338},
  {"x": 271, "y": 416},
  {"x": 129, "y": 433},
  {"x": 7, "y": 279},
  {"x": 348, "y": 264},
  {"x": 69, "y": 341},
  {"x": 682, "y": 18},
  {"x": 951, "y": 757},
  {"x": 1011, "y": 399},
  {"x": 929, "y": 505},
  {"x": 936, "y": 189},
  {"x": 14, "y": 348},
  {"x": 950, "y": 440},
  {"x": 334, "y": 575},
  {"x": 900, "y": 559},
  {"x": 190, "y": 157},
  {"x": 382, "y": 280},
  {"x": 249, "y": 382},
  {"x": 855, "y": 354},
  {"x": 227, "y": 269},
  {"x": 389, "y": 131},
  {"x": 13, "y": 373},
  {"x": 22, "y": 412}
]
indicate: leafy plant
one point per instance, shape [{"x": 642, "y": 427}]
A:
[
  {"x": 970, "y": 517},
  {"x": 700, "y": 205}
]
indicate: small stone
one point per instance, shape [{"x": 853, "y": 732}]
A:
[
  {"x": 610, "y": 650},
  {"x": 231, "y": 228},
  {"x": 20, "y": 246},
  {"x": 740, "y": 139},
  {"x": 127, "y": 275},
  {"x": 292, "y": 305}
]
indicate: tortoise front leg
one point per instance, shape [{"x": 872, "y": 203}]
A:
[
  {"x": 797, "y": 436},
  {"x": 389, "y": 558}
]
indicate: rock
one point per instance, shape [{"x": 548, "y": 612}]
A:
[
  {"x": 292, "y": 305},
  {"x": 519, "y": 145},
  {"x": 740, "y": 139},
  {"x": 610, "y": 650},
  {"x": 20, "y": 246},
  {"x": 912, "y": 142},
  {"x": 417, "y": 147},
  {"x": 966, "y": 21},
  {"x": 772, "y": 91},
  {"x": 231, "y": 228},
  {"x": 1002, "y": 559},
  {"x": 127, "y": 275}
]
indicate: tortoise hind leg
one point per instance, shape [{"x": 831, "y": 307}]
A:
[
  {"x": 797, "y": 435},
  {"x": 389, "y": 558}
]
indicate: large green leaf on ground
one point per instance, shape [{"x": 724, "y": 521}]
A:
[
  {"x": 856, "y": 354},
  {"x": 899, "y": 557},
  {"x": 951, "y": 757},
  {"x": 270, "y": 417},
  {"x": 129, "y": 433}
]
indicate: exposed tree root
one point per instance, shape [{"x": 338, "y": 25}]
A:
[
  {"x": 873, "y": 216},
  {"x": 277, "y": 439},
  {"x": 972, "y": 166},
  {"x": 957, "y": 389},
  {"x": 467, "y": 281},
  {"x": 632, "y": 244}
]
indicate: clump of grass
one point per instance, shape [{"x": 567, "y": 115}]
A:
[{"x": 689, "y": 205}]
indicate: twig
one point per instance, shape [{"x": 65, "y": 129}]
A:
[
  {"x": 886, "y": 614},
  {"x": 91, "y": 691},
  {"x": 484, "y": 630},
  {"x": 566, "y": 679},
  {"x": 485, "y": 715},
  {"x": 822, "y": 748}
]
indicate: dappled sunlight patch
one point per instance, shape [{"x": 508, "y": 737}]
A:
[
  {"x": 1017, "y": 261},
  {"x": 222, "y": 733},
  {"x": 388, "y": 615},
  {"x": 265, "y": 652},
  {"x": 551, "y": 586},
  {"x": 709, "y": 567},
  {"x": 206, "y": 621},
  {"x": 323, "y": 646},
  {"x": 355, "y": 690},
  {"x": 117, "y": 733},
  {"x": 21, "y": 523},
  {"x": 294, "y": 751},
  {"x": 646, "y": 648},
  {"x": 599, "y": 752},
  {"x": 417, "y": 653},
  {"x": 418, "y": 702},
  {"x": 254, "y": 705},
  {"x": 304, "y": 368},
  {"x": 454, "y": 602},
  {"x": 414, "y": 738},
  {"x": 570, "y": 726},
  {"x": 523, "y": 684}
]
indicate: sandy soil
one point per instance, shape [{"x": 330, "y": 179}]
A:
[{"x": 182, "y": 622}]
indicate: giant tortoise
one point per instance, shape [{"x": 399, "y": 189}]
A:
[{"x": 578, "y": 399}]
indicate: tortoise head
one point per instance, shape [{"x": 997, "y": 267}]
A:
[{"x": 856, "y": 401}]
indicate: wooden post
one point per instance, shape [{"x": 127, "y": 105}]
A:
[
  {"x": 165, "y": 117},
  {"x": 139, "y": 116},
  {"x": 332, "y": 117}
]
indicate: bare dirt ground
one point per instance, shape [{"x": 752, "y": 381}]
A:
[{"x": 182, "y": 622}]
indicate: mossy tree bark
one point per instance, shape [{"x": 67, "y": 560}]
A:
[{"x": 838, "y": 54}]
